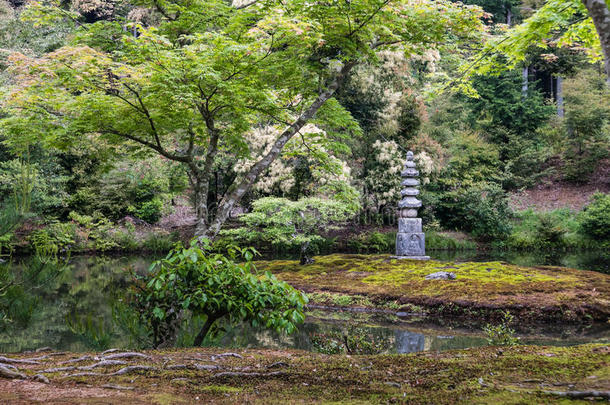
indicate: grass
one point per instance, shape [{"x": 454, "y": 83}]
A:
[
  {"x": 521, "y": 374},
  {"x": 480, "y": 289}
]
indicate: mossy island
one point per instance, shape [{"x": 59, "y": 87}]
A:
[{"x": 480, "y": 290}]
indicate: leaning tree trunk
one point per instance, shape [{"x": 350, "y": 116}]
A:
[
  {"x": 600, "y": 14},
  {"x": 238, "y": 189}
]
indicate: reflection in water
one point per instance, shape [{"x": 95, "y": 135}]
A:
[
  {"x": 596, "y": 260},
  {"x": 409, "y": 342},
  {"x": 74, "y": 311}
]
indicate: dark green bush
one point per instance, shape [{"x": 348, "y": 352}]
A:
[
  {"x": 149, "y": 211},
  {"x": 481, "y": 210},
  {"x": 595, "y": 218}
]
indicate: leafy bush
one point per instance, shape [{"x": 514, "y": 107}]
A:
[
  {"x": 297, "y": 223},
  {"x": 595, "y": 218},
  {"x": 501, "y": 334},
  {"x": 149, "y": 211},
  {"x": 191, "y": 281},
  {"x": 98, "y": 229},
  {"x": 437, "y": 241},
  {"x": 372, "y": 242},
  {"x": 558, "y": 229}
]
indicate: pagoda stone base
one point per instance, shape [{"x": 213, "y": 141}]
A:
[{"x": 411, "y": 245}]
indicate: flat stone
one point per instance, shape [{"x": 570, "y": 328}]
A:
[
  {"x": 410, "y": 172},
  {"x": 410, "y": 182},
  {"x": 409, "y": 202},
  {"x": 441, "y": 275},
  {"x": 409, "y": 191}
]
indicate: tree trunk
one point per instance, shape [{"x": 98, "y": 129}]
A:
[
  {"x": 559, "y": 94},
  {"x": 600, "y": 14},
  {"x": 304, "y": 259},
  {"x": 205, "y": 329},
  {"x": 238, "y": 189}
]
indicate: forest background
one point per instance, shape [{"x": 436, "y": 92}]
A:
[{"x": 519, "y": 159}]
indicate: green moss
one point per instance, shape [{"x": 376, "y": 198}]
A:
[
  {"x": 548, "y": 293},
  {"x": 218, "y": 389}
]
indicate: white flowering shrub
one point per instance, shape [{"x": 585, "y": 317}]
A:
[{"x": 327, "y": 174}]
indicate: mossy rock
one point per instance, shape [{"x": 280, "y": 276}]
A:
[{"x": 480, "y": 288}]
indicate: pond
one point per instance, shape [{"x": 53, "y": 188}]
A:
[
  {"x": 595, "y": 260},
  {"x": 78, "y": 306}
]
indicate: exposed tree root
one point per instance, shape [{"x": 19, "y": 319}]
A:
[
  {"x": 117, "y": 387},
  {"x": 131, "y": 369},
  {"x": 17, "y": 361},
  {"x": 242, "y": 374},
  {"x": 79, "y": 359},
  {"x": 103, "y": 363},
  {"x": 580, "y": 394},
  {"x": 125, "y": 355},
  {"x": 8, "y": 373},
  {"x": 221, "y": 355}
]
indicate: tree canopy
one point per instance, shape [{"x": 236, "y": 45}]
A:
[{"x": 194, "y": 85}]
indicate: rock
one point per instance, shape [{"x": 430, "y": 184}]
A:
[{"x": 441, "y": 275}]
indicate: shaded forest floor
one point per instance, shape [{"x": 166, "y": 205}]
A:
[
  {"x": 480, "y": 291},
  {"x": 521, "y": 374}
]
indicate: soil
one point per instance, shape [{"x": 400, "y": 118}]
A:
[
  {"x": 551, "y": 196},
  {"x": 516, "y": 375}
]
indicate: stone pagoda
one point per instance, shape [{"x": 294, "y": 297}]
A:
[{"x": 410, "y": 240}]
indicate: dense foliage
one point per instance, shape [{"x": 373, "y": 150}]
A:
[
  {"x": 116, "y": 116},
  {"x": 595, "y": 219}
]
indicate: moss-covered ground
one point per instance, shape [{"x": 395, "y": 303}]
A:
[
  {"x": 480, "y": 290},
  {"x": 492, "y": 375}
]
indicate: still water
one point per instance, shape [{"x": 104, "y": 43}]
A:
[{"x": 78, "y": 306}]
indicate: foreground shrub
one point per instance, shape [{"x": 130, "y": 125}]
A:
[{"x": 193, "y": 282}]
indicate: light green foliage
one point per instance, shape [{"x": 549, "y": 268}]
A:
[
  {"x": 558, "y": 21},
  {"x": 587, "y": 124},
  {"x": 502, "y": 334},
  {"x": 98, "y": 230},
  {"x": 292, "y": 223},
  {"x": 595, "y": 218},
  {"x": 190, "y": 279},
  {"x": 372, "y": 242},
  {"x": 9, "y": 219},
  {"x": 31, "y": 187}
]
